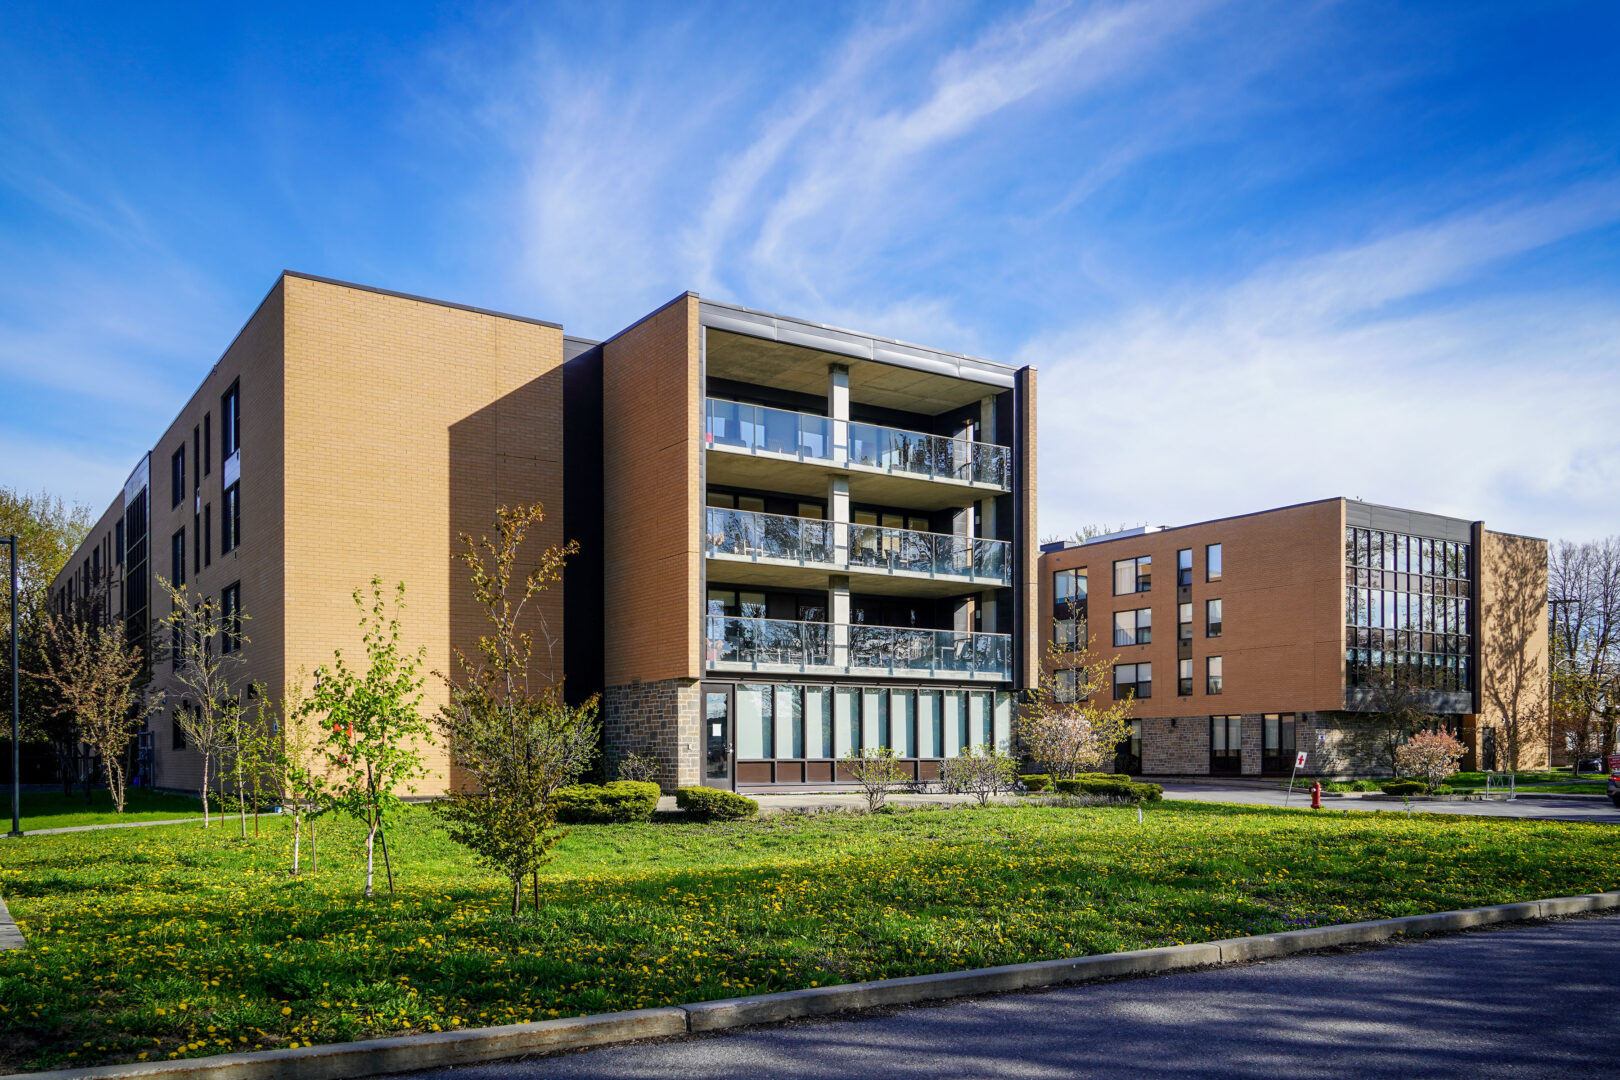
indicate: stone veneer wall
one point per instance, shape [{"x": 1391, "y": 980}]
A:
[
  {"x": 660, "y": 720},
  {"x": 1182, "y": 748}
]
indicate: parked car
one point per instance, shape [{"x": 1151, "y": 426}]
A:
[{"x": 1614, "y": 788}]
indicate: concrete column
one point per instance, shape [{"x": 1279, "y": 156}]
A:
[
  {"x": 838, "y": 411},
  {"x": 838, "y": 514},
  {"x": 987, "y": 419},
  {"x": 838, "y": 617}
]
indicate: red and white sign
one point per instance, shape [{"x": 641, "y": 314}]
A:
[{"x": 1299, "y": 762}]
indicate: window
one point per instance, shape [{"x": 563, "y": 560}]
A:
[
  {"x": 196, "y": 543},
  {"x": 177, "y": 737},
  {"x": 230, "y": 618},
  {"x": 196, "y": 456},
  {"x": 177, "y": 475},
  {"x": 1069, "y": 633},
  {"x": 1133, "y": 680},
  {"x": 1212, "y": 675},
  {"x": 1184, "y": 678},
  {"x": 1226, "y": 745},
  {"x": 1184, "y": 622},
  {"x": 177, "y": 558},
  {"x": 1277, "y": 742},
  {"x": 230, "y": 519},
  {"x": 1212, "y": 562},
  {"x": 1410, "y": 625},
  {"x": 1064, "y": 684},
  {"x": 1133, "y": 575},
  {"x": 1212, "y": 618},
  {"x": 1184, "y": 566},
  {"x": 1133, "y": 627},
  {"x": 230, "y": 421},
  {"x": 208, "y": 535},
  {"x": 208, "y": 444},
  {"x": 1068, "y": 588},
  {"x": 118, "y": 542}
]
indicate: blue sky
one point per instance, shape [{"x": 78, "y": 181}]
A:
[{"x": 1260, "y": 252}]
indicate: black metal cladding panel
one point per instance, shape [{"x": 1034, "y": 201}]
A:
[{"x": 1362, "y": 515}]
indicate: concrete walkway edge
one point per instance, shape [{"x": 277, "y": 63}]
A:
[
  {"x": 413, "y": 1052},
  {"x": 10, "y": 936}
]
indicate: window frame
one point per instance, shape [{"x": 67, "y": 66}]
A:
[
  {"x": 1184, "y": 567},
  {"x": 177, "y": 558},
  {"x": 177, "y": 475},
  {"x": 1141, "y": 574},
  {"x": 1213, "y": 625},
  {"x": 1213, "y": 570},
  {"x": 1184, "y": 677},
  {"x": 230, "y": 618},
  {"x": 230, "y": 420},
  {"x": 1214, "y": 675}
]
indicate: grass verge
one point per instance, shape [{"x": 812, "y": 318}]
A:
[
  {"x": 53, "y": 810},
  {"x": 156, "y": 943}
]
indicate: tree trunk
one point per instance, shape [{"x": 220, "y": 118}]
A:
[
  {"x": 241, "y": 806},
  {"x": 517, "y": 893},
  {"x": 298, "y": 836},
  {"x": 537, "y": 892},
  {"x": 206, "y": 759},
  {"x": 388, "y": 866},
  {"x": 371, "y": 839},
  {"x": 314, "y": 856},
  {"x": 115, "y": 784}
]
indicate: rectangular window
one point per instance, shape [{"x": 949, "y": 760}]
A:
[
  {"x": 1184, "y": 678},
  {"x": 177, "y": 737},
  {"x": 230, "y": 421},
  {"x": 756, "y": 736},
  {"x": 208, "y": 443},
  {"x": 177, "y": 475},
  {"x": 230, "y": 618},
  {"x": 1212, "y": 618},
  {"x": 1069, "y": 633},
  {"x": 1212, "y": 675},
  {"x": 1064, "y": 685},
  {"x": 1184, "y": 622},
  {"x": 1133, "y": 680},
  {"x": 1068, "y": 589},
  {"x": 1184, "y": 566},
  {"x": 1133, "y": 575},
  {"x": 1212, "y": 562},
  {"x": 230, "y": 519},
  {"x": 118, "y": 542},
  {"x": 1226, "y": 745},
  {"x": 177, "y": 558},
  {"x": 1133, "y": 627},
  {"x": 196, "y": 456},
  {"x": 196, "y": 543},
  {"x": 208, "y": 535}
]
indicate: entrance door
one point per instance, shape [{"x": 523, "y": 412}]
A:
[
  {"x": 1277, "y": 744},
  {"x": 717, "y": 735}
]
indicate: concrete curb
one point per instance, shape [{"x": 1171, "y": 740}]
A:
[
  {"x": 10, "y": 936},
  {"x": 414, "y": 1052}
]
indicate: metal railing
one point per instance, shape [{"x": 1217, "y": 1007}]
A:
[
  {"x": 759, "y": 429},
  {"x": 751, "y": 534},
  {"x": 856, "y": 647}
]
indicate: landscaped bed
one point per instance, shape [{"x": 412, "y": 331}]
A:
[{"x": 151, "y": 943}]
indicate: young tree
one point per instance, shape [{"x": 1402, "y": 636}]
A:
[
  {"x": 374, "y": 722},
  {"x": 980, "y": 771},
  {"x": 1070, "y": 723},
  {"x": 204, "y": 648},
  {"x": 95, "y": 673},
  {"x": 297, "y": 766},
  {"x": 1583, "y": 597},
  {"x": 508, "y": 726},
  {"x": 1432, "y": 755},
  {"x": 877, "y": 772}
]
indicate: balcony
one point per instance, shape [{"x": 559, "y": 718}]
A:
[
  {"x": 780, "y": 436},
  {"x": 781, "y": 647},
  {"x": 775, "y": 542}
]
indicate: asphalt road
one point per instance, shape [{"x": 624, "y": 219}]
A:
[
  {"x": 1526, "y": 1001},
  {"x": 1524, "y": 806}
]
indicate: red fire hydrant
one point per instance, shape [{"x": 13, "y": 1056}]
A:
[{"x": 1316, "y": 795}]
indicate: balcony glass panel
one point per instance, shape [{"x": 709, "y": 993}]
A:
[
  {"x": 761, "y": 642},
  {"x": 775, "y": 431},
  {"x": 749, "y": 534},
  {"x": 773, "y": 536}
]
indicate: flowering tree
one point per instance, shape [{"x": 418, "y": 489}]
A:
[
  {"x": 1432, "y": 755},
  {"x": 94, "y": 671},
  {"x": 373, "y": 722},
  {"x": 876, "y": 771},
  {"x": 980, "y": 771},
  {"x": 1071, "y": 724}
]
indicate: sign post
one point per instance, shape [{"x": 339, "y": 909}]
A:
[{"x": 1299, "y": 761}]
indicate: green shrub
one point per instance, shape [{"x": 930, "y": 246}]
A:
[
  {"x": 619, "y": 802},
  {"x": 1036, "y": 781},
  {"x": 1404, "y": 787},
  {"x": 1110, "y": 787},
  {"x": 712, "y": 804}
]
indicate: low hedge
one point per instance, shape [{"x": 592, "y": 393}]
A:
[
  {"x": 1404, "y": 787},
  {"x": 620, "y": 802},
  {"x": 1036, "y": 781},
  {"x": 713, "y": 804},
  {"x": 1111, "y": 787}
]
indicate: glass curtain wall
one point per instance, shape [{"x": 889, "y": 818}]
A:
[
  {"x": 1407, "y": 610},
  {"x": 792, "y": 720}
]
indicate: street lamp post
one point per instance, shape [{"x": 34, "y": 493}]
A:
[{"x": 16, "y": 710}]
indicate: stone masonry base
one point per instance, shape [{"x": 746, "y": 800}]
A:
[{"x": 659, "y": 720}]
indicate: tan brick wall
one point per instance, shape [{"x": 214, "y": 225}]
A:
[
  {"x": 1282, "y": 593},
  {"x": 1513, "y": 657},
  {"x": 652, "y": 417}
]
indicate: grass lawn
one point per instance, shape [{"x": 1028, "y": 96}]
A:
[
  {"x": 53, "y": 810},
  {"x": 153, "y": 943}
]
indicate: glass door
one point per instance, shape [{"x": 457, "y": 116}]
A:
[
  {"x": 1277, "y": 744},
  {"x": 717, "y": 735}
]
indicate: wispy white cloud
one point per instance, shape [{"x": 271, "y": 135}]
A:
[{"x": 1349, "y": 372}]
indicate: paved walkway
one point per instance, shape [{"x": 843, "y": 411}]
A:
[
  {"x": 1524, "y": 1001},
  {"x": 106, "y": 825},
  {"x": 1552, "y": 808}
]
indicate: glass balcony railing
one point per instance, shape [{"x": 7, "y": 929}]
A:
[
  {"x": 751, "y": 535},
  {"x": 757, "y": 429},
  {"x": 855, "y": 648}
]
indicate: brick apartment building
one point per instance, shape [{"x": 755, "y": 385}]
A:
[
  {"x": 795, "y": 539},
  {"x": 1247, "y": 638}
]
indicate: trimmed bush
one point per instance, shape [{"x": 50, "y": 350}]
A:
[
  {"x": 619, "y": 802},
  {"x": 713, "y": 804},
  {"x": 1404, "y": 787},
  {"x": 1035, "y": 781},
  {"x": 1110, "y": 787}
]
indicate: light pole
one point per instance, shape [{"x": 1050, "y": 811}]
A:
[{"x": 16, "y": 711}]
